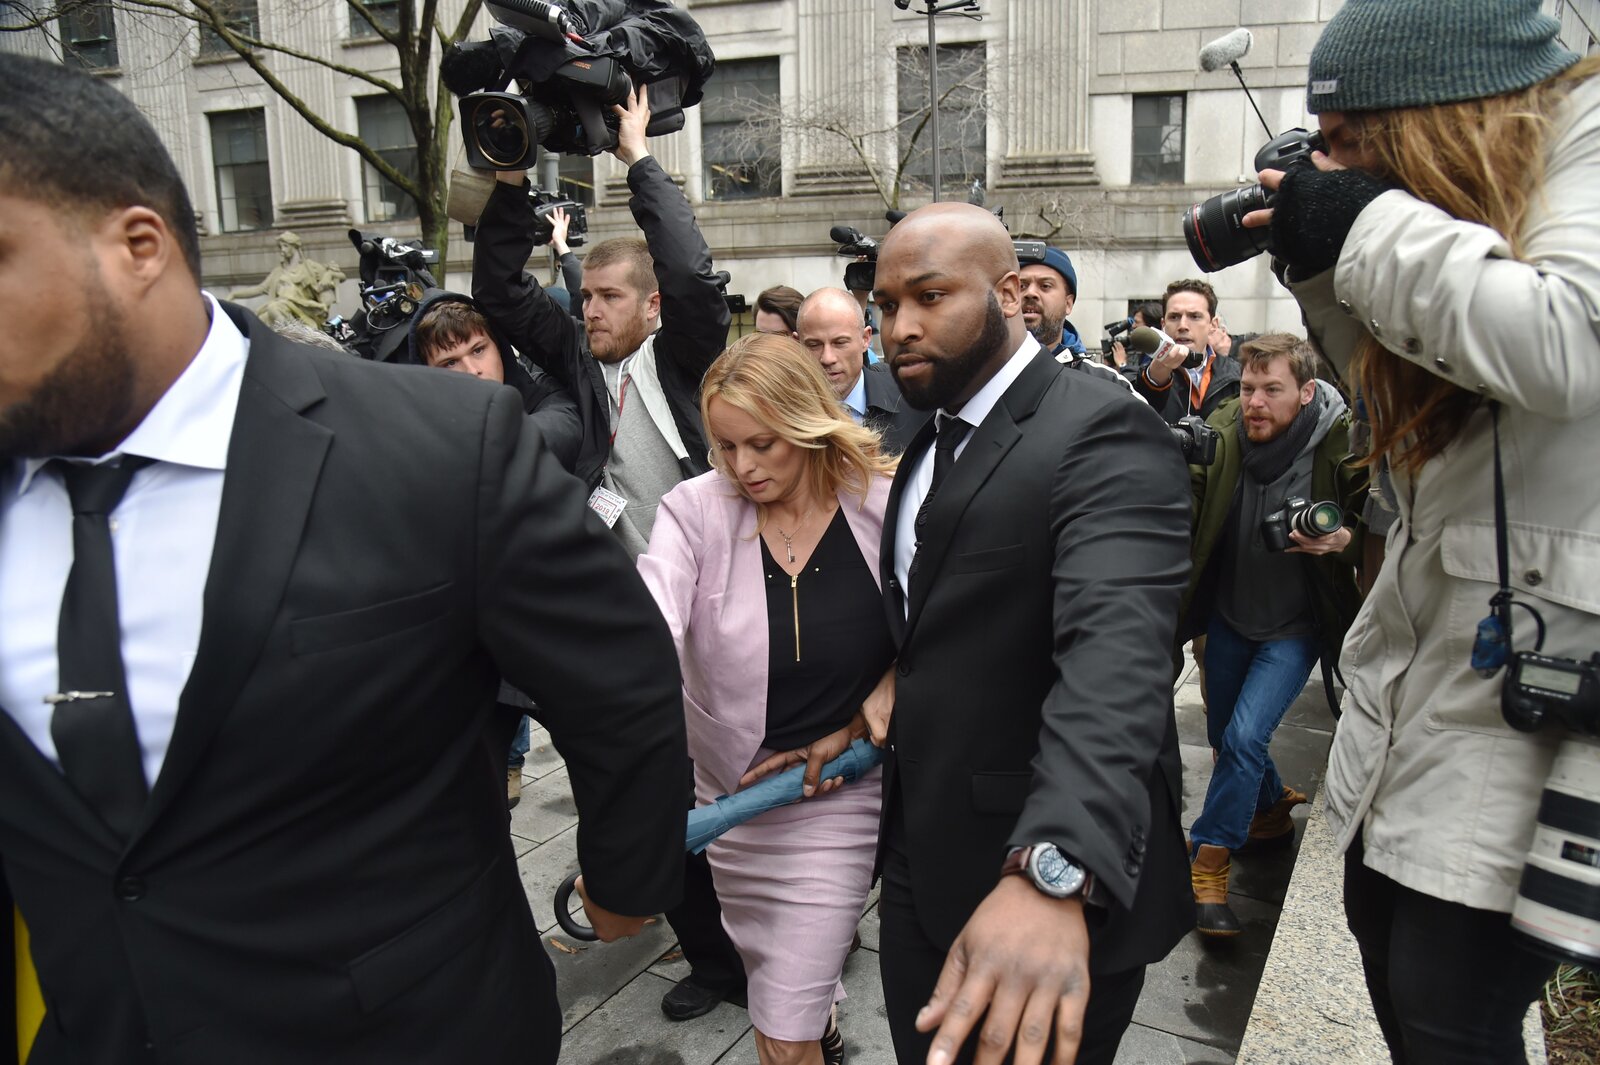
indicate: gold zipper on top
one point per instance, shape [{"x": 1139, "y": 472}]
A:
[{"x": 794, "y": 593}]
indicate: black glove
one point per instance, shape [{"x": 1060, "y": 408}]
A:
[{"x": 1313, "y": 213}]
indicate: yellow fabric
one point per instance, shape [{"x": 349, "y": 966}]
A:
[{"x": 30, "y": 1003}]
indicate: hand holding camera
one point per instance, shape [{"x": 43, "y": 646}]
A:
[{"x": 632, "y": 118}]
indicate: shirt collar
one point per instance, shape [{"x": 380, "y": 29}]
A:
[
  {"x": 857, "y": 399},
  {"x": 976, "y": 409},
  {"x": 192, "y": 423}
]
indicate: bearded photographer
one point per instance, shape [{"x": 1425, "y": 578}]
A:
[
  {"x": 1272, "y": 587},
  {"x": 1446, "y": 253}
]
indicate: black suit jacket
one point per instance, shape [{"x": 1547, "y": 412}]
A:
[
  {"x": 887, "y": 411},
  {"x": 323, "y": 871},
  {"x": 1034, "y": 701}
]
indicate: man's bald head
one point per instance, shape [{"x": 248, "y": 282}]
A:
[
  {"x": 948, "y": 291},
  {"x": 832, "y": 328}
]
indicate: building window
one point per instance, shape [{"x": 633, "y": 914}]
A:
[
  {"x": 577, "y": 178},
  {"x": 741, "y": 159},
  {"x": 242, "y": 17},
  {"x": 1158, "y": 140},
  {"x": 385, "y": 13},
  {"x": 963, "y": 116},
  {"x": 239, "y": 151},
  {"x": 89, "y": 36},
  {"x": 382, "y": 125}
]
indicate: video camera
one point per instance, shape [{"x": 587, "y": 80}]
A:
[
  {"x": 854, "y": 244},
  {"x": 394, "y": 277},
  {"x": 1215, "y": 229},
  {"x": 545, "y": 204},
  {"x": 573, "y": 61}
]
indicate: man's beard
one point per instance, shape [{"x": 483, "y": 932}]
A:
[
  {"x": 949, "y": 377},
  {"x": 618, "y": 344},
  {"x": 84, "y": 402},
  {"x": 1048, "y": 331}
]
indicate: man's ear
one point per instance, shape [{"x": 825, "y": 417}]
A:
[
  {"x": 140, "y": 246},
  {"x": 1308, "y": 390},
  {"x": 652, "y": 305},
  {"x": 1008, "y": 291},
  {"x": 1072, "y": 299}
]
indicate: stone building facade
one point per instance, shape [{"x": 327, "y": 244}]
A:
[{"x": 1089, "y": 120}]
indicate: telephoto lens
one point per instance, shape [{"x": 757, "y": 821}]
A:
[
  {"x": 1215, "y": 229},
  {"x": 1558, "y": 899},
  {"x": 1317, "y": 519}
]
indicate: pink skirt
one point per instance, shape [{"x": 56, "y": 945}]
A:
[{"x": 793, "y": 885}]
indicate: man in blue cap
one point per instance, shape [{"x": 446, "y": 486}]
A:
[{"x": 1049, "y": 289}]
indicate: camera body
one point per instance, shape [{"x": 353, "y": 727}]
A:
[
  {"x": 546, "y": 203},
  {"x": 1539, "y": 687},
  {"x": 859, "y": 276},
  {"x": 1215, "y": 229},
  {"x": 1297, "y": 515},
  {"x": 1196, "y": 439}
]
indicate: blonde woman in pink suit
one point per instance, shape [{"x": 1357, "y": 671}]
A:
[{"x": 766, "y": 569}]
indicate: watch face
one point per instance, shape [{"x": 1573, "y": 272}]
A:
[{"x": 1054, "y": 873}]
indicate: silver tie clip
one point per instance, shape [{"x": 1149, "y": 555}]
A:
[{"x": 72, "y": 697}]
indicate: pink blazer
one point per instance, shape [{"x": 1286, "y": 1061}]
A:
[{"x": 704, "y": 569}]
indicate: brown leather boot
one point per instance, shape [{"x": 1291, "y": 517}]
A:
[
  {"x": 1272, "y": 829},
  {"x": 1208, "y": 874}
]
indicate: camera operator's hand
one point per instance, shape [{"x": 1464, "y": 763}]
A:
[
  {"x": 1220, "y": 341},
  {"x": 609, "y": 926},
  {"x": 559, "y": 221},
  {"x": 1119, "y": 353},
  {"x": 1273, "y": 179},
  {"x": 1161, "y": 369},
  {"x": 630, "y": 129},
  {"x": 1331, "y": 544}
]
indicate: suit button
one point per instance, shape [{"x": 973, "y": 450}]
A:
[
  {"x": 1130, "y": 866},
  {"x": 130, "y": 888},
  {"x": 903, "y": 669},
  {"x": 894, "y": 582}
]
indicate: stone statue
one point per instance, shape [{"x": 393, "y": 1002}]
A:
[{"x": 297, "y": 290}]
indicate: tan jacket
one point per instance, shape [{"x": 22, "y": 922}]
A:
[{"x": 1445, "y": 791}]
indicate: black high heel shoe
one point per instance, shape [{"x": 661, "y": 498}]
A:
[{"x": 832, "y": 1045}]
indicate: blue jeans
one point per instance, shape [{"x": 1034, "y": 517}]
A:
[
  {"x": 1250, "y": 686},
  {"x": 520, "y": 741}
]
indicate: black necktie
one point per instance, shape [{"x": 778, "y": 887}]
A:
[
  {"x": 951, "y": 432},
  {"x": 92, "y": 724}
]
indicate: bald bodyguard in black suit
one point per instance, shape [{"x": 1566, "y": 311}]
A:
[
  {"x": 1035, "y": 547},
  {"x": 320, "y": 871}
]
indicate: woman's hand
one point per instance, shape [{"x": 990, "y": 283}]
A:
[
  {"x": 1271, "y": 179},
  {"x": 879, "y": 708},
  {"x": 815, "y": 755}
]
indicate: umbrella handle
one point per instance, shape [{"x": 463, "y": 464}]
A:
[{"x": 570, "y": 924}]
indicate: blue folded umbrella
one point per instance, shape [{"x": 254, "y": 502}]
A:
[{"x": 706, "y": 823}]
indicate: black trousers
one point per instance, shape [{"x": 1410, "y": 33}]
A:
[
  {"x": 697, "y": 922},
  {"x": 910, "y": 963},
  {"x": 1450, "y": 984}
]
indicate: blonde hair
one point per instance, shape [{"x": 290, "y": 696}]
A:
[
  {"x": 1480, "y": 161},
  {"x": 772, "y": 378}
]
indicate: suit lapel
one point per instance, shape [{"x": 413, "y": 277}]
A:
[
  {"x": 894, "y": 595},
  {"x": 989, "y": 444},
  {"x": 275, "y": 457}
]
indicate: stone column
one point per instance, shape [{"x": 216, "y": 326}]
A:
[
  {"x": 1049, "y": 53},
  {"x": 839, "y": 62}
]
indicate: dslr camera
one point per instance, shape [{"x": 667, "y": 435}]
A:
[
  {"x": 1215, "y": 229},
  {"x": 1296, "y": 515},
  {"x": 544, "y": 204},
  {"x": 1196, "y": 439},
  {"x": 571, "y": 73}
]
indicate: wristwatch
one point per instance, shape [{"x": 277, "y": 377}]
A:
[{"x": 1051, "y": 871}]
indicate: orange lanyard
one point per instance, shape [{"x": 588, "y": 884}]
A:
[{"x": 1197, "y": 395}]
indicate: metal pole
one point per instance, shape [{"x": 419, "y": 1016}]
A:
[{"x": 933, "y": 94}]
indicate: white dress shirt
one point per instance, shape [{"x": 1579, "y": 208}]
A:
[
  {"x": 973, "y": 412},
  {"x": 161, "y": 533}
]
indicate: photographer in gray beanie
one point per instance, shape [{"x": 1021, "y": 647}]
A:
[{"x": 1446, "y": 255}]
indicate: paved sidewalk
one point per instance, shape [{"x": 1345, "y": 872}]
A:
[{"x": 1194, "y": 1007}]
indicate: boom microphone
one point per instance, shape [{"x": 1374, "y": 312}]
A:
[{"x": 1226, "y": 50}]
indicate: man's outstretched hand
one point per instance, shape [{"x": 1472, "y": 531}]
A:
[
  {"x": 1024, "y": 958},
  {"x": 632, "y": 120}
]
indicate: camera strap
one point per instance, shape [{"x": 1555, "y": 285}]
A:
[{"x": 1492, "y": 648}]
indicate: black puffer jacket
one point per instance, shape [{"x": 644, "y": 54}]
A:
[{"x": 549, "y": 405}]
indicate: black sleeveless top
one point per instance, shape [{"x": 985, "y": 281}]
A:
[{"x": 828, "y": 639}]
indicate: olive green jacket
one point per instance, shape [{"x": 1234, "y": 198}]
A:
[{"x": 1334, "y": 475}]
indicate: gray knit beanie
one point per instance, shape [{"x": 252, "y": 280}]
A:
[{"x": 1380, "y": 54}]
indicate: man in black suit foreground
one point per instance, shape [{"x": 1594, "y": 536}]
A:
[
  {"x": 1035, "y": 548},
  {"x": 303, "y": 856}
]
